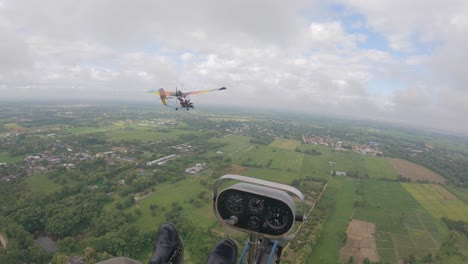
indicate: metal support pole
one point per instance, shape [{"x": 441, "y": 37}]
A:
[{"x": 253, "y": 249}]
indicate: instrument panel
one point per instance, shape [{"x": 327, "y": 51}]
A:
[{"x": 258, "y": 209}]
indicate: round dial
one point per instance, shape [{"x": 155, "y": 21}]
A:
[
  {"x": 235, "y": 203},
  {"x": 254, "y": 221},
  {"x": 277, "y": 218},
  {"x": 256, "y": 205}
]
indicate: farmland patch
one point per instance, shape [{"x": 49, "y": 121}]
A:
[
  {"x": 403, "y": 226},
  {"x": 416, "y": 172},
  {"x": 360, "y": 243},
  {"x": 288, "y": 144},
  {"x": 438, "y": 201}
]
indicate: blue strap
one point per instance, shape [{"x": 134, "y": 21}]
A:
[
  {"x": 246, "y": 247},
  {"x": 273, "y": 249}
]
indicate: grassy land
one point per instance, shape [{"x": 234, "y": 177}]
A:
[
  {"x": 14, "y": 127},
  {"x": 403, "y": 226},
  {"x": 318, "y": 166},
  {"x": 165, "y": 196},
  {"x": 5, "y": 157},
  {"x": 237, "y": 145},
  {"x": 143, "y": 134},
  {"x": 280, "y": 176},
  {"x": 269, "y": 157},
  {"x": 86, "y": 130},
  {"x": 40, "y": 183},
  {"x": 438, "y": 201},
  {"x": 341, "y": 194},
  {"x": 287, "y": 144},
  {"x": 378, "y": 167}
]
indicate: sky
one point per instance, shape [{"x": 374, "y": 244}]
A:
[{"x": 388, "y": 60}]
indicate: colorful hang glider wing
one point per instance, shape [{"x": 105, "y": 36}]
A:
[
  {"x": 162, "y": 94},
  {"x": 205, "y": 91}
]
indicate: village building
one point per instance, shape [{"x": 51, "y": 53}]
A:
[
  {"x": 196, "y": 169},
  {"x": 162, "y": 160}
]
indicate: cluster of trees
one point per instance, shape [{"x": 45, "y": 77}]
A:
[
  {"x": 21, "y": 247},
  {"x": 457, "y": 225},
  {"x": 264, "y": 140},
  {"x": 313, "y": 152},
  {"x": 310, "y": 233},
  {"x": 64, "y": 215}
]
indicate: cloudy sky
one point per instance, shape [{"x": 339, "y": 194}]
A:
[{"x": 402, "y": 61}]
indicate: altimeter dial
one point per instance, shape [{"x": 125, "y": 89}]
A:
[
  {"x": 256, "y": 205},
  {"x": 277, "y": 218},
  {"x": 235, "y": 203}
]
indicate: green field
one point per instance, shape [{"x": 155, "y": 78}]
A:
[
  {"x": 341, "y": 195},
  {"x": 280, "y": 176},
  {"x": 87, "y": 130},
  {"x": 378, "y": 167},
  {"x": 143, "y": 134},
  {"x": 165, "y": 195},
  {"x": 14, "y": 127},
  {"x": 288, "y": 144},
  {"x": 245, "y": 153},
  {"x": 40, "y": 183},
  {"x": 237, "y": 145},
  {"x": 373, "y": 167},
  {"x": 438, "y": 201},
  {"x": 5, "y": 157},
  {"x": 403, "y": 226},
  {"x": 269, "y": 157}
]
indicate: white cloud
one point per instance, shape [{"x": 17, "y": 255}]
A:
[{"x": 296, "y": 55}]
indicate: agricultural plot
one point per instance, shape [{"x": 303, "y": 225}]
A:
[
  {"x": 143, "y": 134},
  {"x": 268, "y": 157},
  {"x": 87, "y": 130},
  {"x": 280, "y": 176},
  {"x": 341, "y": 193},
  {"x": 15, "y": 127},
  {"x": 288, "y": 144},
  {"x": 373, "y": 167},
  {"x": 317, "y": 166},
  {"x": 6, "y": 158},
  {"x": 164, "y": 197},
  {"x": 360, "y": 243},
  {"x": 378, "y": 168},
  {"x": 438, "y": 201},
  {"x": 40, "y": 183},
  {"x": 403, "y": 226},
  {"x": 237, "y": 145},
  {"x": 416, "y": 172}
]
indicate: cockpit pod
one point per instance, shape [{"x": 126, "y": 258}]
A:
[{"x": 258, "y": 207}]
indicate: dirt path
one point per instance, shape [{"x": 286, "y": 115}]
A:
[
  {"x": 3, "y": 241},
  {"x": 433, "y": 239}
]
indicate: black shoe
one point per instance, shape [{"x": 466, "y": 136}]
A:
[
  {"x": 168, "y": 247},
  {"x": 224, "y": 253}
]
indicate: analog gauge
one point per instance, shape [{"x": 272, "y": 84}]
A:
[
  {"x": 277, "y": 218},
  {"x": 235, "y": 203},
  {"x": 256, "y": 205},
  {"x": 254, "y": 221}
]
